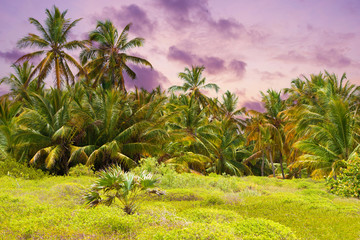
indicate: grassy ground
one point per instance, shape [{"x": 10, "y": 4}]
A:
[{"x": 194, "y": 207}]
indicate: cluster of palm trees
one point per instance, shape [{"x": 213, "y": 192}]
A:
[{"x": 312, "y": 127}]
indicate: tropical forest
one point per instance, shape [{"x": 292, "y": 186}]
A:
[{"x": 87, "y": 157}]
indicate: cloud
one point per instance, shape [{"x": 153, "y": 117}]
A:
[
  {"x": 180, "y": 11},
  {"x": 213, "y": 65},
  {"x": 239, "y": 67},
  {"x": 180, "y": 55},
  {"x": 141, "y": 24},
  {"x": 186, "y": 13},
  {"x": 331, "y": 58},
  {"x": 145, "y": 78},
  {"x": 254, "y": 105},
  {"x": 12, "y": 55},
  {"x": 318, "y": 56},
  {"x": 270, "y": 76}
]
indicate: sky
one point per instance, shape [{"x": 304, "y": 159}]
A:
[{"x": 246, "y": 46}]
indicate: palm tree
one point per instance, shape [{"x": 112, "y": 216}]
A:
[
  {"x": 333, "y": 139},
  {"x": 45, "y": 134},
  {"x": 224, "y": 153},
  {"x": 53, "y": 42},
  {"x": 116, "y": 129},
  {"x": 191, "y": 134},
  {"x": 194, "y": 83},
  {"x": 8, "y": 112},
  {"x": 229, "y": 110},
  {"x": 106, "y": 57},
  {"x": 18, "y": 80},
  {"x": 274, "y": 124}
]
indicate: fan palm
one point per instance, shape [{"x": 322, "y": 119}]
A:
[
  {"x": 114, "y": 184},
  {"x": 106, "y": 57},
  {"x": 53, "y": 42}
]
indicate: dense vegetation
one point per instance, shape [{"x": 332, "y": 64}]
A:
[{"x": 310, "y": 129}]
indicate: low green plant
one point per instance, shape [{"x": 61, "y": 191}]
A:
[
  {"x": 15, "y": 169},
  {"x": 113, "y": 184},
  {"x": 81, "y": 170},
  {"x": 347, "y": 183}
]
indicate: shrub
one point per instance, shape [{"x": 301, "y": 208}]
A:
[
  {"x": 81, "y": 170},
  {"x": 347, "y": 183},
  {"x": 257, "y": 228},
  {"x": 113, "y": 184},
  {"x": 19, "y": 170}
]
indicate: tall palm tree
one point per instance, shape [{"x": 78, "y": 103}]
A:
[
  {"x": 229, "y": 110},
  {"x": 53, "y": 41},
  {"x": 274, "y": 125},
  {"x": 106, "y": 58},
  {"x": 194, "y": 82}
]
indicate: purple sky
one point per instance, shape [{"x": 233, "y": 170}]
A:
[{"x": 246, "y": 46}]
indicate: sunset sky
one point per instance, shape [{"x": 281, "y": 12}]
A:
[{"x": 246, "y": 46}]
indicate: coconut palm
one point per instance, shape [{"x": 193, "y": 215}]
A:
[
  {"x": 191, "y": 134},
  {"x": 106, "y": 58},
  {"x": 194, "y": 82},
  {"x": 333, "y": 138},
  {"x": 224, "y": 150},
  {"x": 53, "y": 42},
  {"x": 8, "y": 112},
  {"x": 44, "y": 132},
  {"x": 118, "y": 131},
  {"x": 229, "y": 111},
  {"x": 19, "y": 78}
]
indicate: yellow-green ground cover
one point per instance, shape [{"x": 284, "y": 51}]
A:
[{"x": 194, "y": 207}]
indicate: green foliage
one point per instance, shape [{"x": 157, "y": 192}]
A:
[
  {"x": 19, "y": 170},
  {"x": 347, "y": 183},
  {"x": 81, "y": 170},
  {"x": 113, "y": 184},
  {"x": 262, "y": 229}
]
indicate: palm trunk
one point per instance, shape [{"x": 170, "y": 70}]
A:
[
  {"x": 57, "y": 70},
  {"x": 262, "y": 164},
  {"x": 272, "y": 162},
  {"x": 281, "y": 165}
]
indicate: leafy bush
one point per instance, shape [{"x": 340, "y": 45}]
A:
[
  {"x": 256, "y": 228},
  {"x": 17, "y": 170},
  {"x": 81, "y": 170},
  {"x": 347, "y": 183},
  {"x": 151, "y": 165},
  {"x": 113, "y": 184}
]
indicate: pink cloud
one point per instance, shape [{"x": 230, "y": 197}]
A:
[
  {"x": 12, "y": 55},
  {"x": 239, "y": 67},
  {"x": 254, "y": 105},
  {"x": 141, "y": 23},
  {"x": 145, "y": 78}
]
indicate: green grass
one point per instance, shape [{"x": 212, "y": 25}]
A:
[{"x": 194, "y": 207}]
